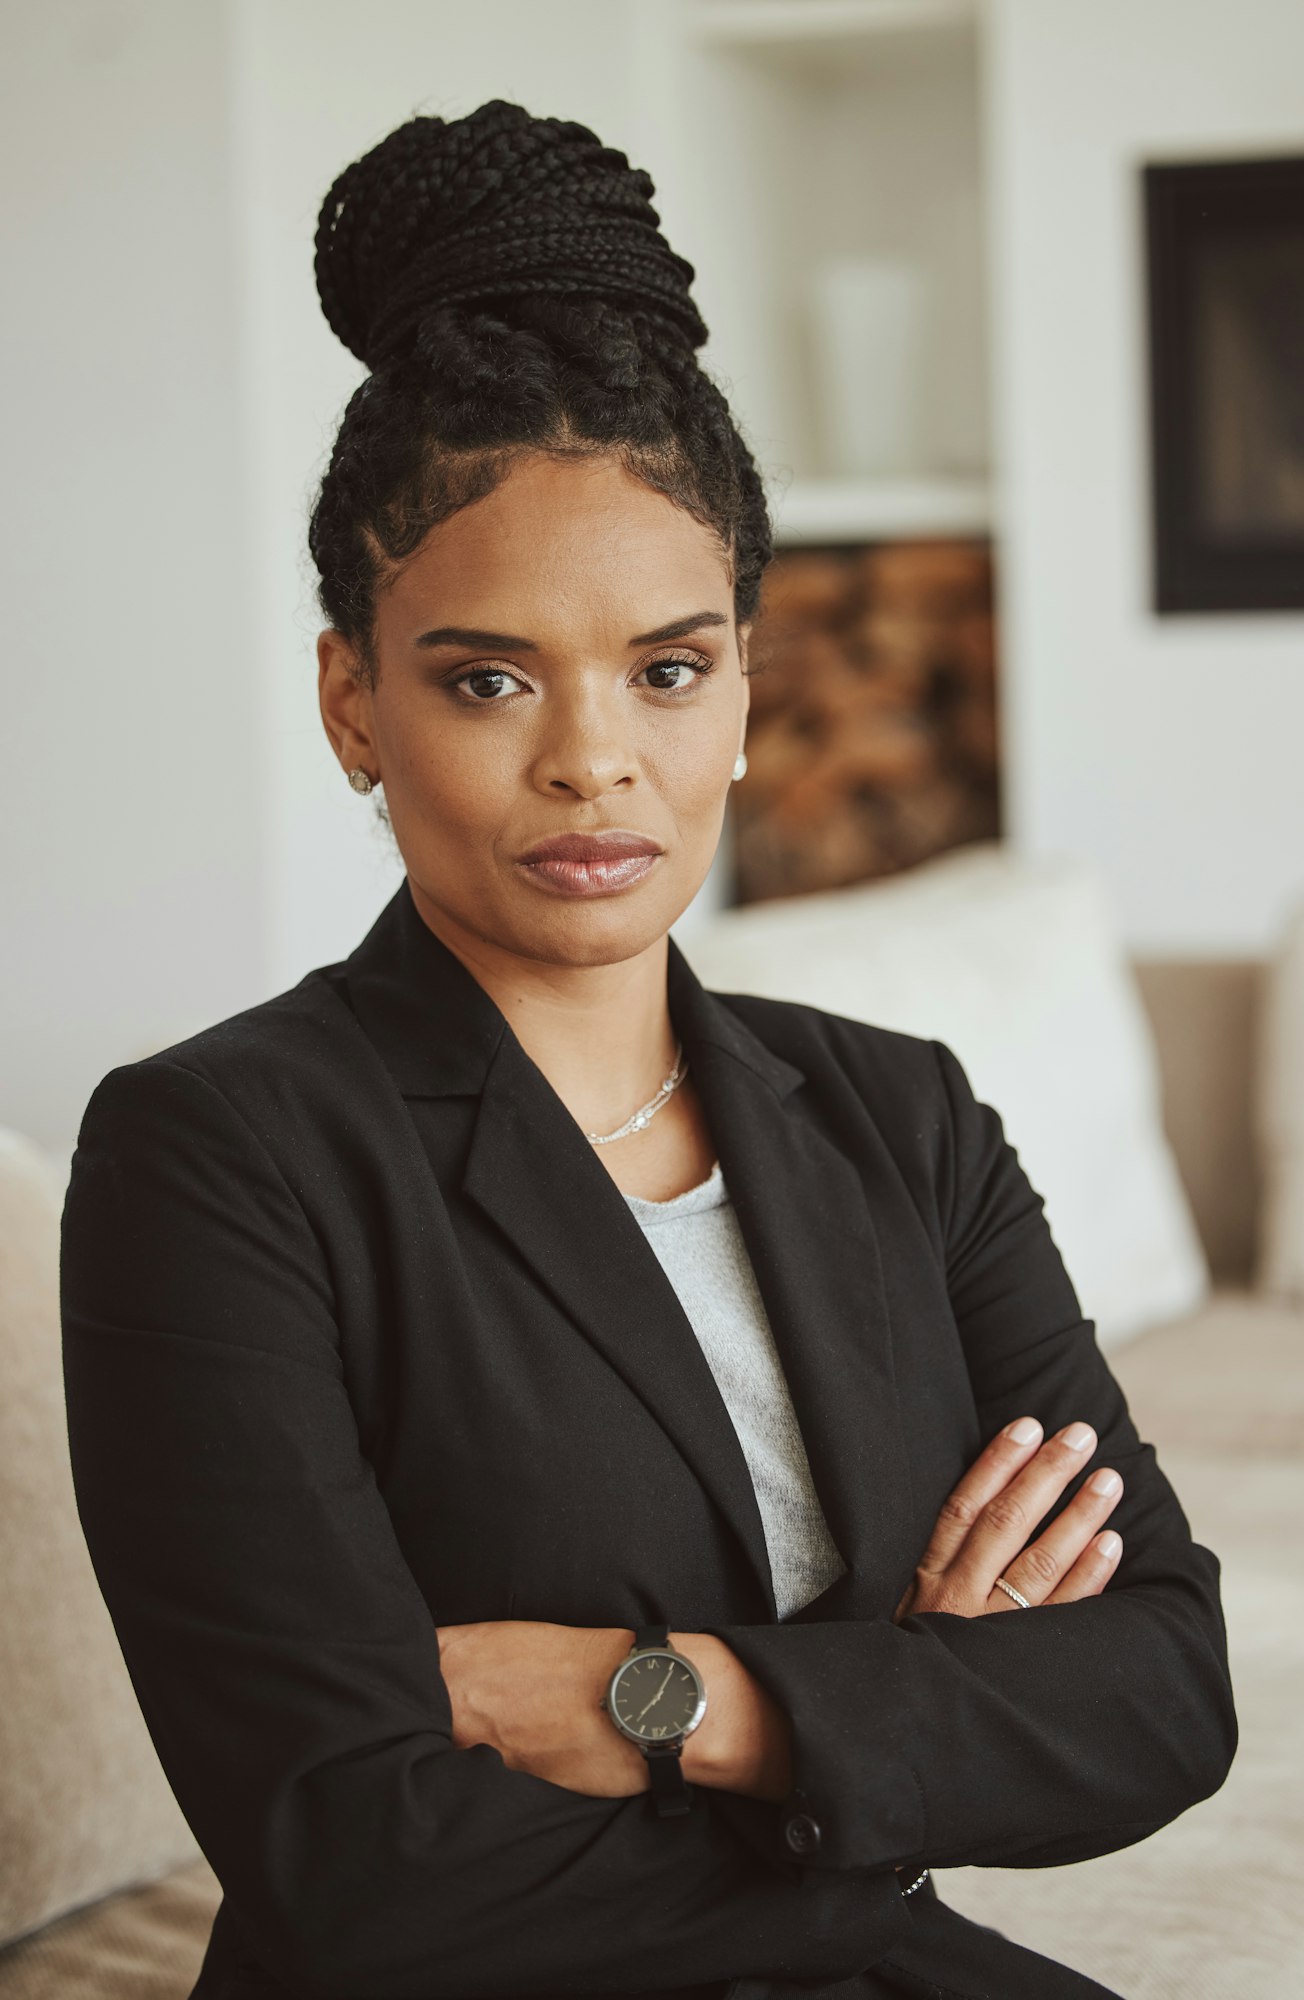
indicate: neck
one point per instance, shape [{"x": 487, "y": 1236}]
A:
[{"x": 601, "y": 1034}]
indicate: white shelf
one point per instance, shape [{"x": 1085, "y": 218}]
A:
[
  {"x": 866, "y": 510},
  {"x": 743, "y": 23},
  {"x": 812, "y": 131}
]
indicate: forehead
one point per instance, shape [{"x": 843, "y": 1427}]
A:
[{"x": 564, "y": 546}]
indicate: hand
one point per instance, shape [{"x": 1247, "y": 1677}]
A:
[
  {"x": 983, "y": 1528},
  {"x": 531, "y": 1691}
]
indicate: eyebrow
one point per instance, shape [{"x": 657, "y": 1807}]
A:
[{"x": 468, "y": 635}]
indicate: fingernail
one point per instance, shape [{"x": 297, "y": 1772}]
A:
[
  {"x": 1104, "y": 1482},
  {"x": 1109, "y": 1544},
  {"x": 1023, "y": 1430},
  {"x": 1078, "y": 1435}
]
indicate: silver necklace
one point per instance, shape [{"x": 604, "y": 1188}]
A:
[{"x": 649, "y": 1110}]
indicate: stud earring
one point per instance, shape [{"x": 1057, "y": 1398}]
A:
[
  {"x": 740, "y": 764},
  {"x": 359, "y": 780}
]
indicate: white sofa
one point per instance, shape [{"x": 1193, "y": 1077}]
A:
[{"x": 102, "y": 1892}]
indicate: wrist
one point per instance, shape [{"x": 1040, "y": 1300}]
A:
[
  {"x": 605, "y": 1647},
  {"x": 744, "y": 1741}
]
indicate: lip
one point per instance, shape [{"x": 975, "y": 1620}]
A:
[
  {"x": 612, "y": 843},
  {"x": 590, "y": 864}
]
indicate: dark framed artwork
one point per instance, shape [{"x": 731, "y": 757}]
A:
[{"x": 1225, "y": 257}]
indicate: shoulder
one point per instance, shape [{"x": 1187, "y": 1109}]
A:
[
  {"x": 895, "y": 1071},
  {"x": 260, "y": 1068},
  {"x": 884, "y": 1089}
]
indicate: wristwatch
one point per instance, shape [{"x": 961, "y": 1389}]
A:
[{"x": 656, "y": 1697}]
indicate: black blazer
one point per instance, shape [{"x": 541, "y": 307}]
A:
[{"x": 361, "y": 1337}]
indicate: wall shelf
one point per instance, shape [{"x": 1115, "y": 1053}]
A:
[
  {"x": 867, "y": 510},
  {"x": 812, "y": 139},
  {"x": 754, "y": 23}
]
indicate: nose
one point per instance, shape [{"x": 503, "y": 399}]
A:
[{"x": 583, "y": 746}]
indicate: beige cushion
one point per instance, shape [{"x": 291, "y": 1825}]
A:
[
  {"x": 1205, "y": 1017},
  {"x": 84, "y": 1805},
  {"x": 1015, "y": 962},
  {"x": 144, "y": 1944},
  {"x": 1279, "y": 1116},
  {"x": 1228, "y": 1378}
]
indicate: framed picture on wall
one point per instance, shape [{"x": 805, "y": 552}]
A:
[{"x": 1225, "y": 258}]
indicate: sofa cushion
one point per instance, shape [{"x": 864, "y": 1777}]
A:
[
  {"x": 1015, "y": 964},
  {"x": 1279, "y": 1118},
  {"x": 1226, "y": 1378},
  {"x": 84, "y": 1805},
  {"x": 142, "y": 1944}
]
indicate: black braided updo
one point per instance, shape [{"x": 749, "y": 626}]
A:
[{"x": 504, "y": 279}]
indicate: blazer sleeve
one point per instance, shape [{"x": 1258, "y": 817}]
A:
[
  {"x": 283, "y": 1656},
  {"x": 1016, "y": 1740}
]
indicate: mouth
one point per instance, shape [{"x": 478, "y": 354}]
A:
[{"x": 590, "y": 864}]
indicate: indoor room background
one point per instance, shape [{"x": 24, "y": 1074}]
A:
[
  {"x": 1010, "y": 782},
  {"x": 172, "y": 813}
]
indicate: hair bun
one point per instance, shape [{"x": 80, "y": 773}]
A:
[{"x": 494, "y": 206}]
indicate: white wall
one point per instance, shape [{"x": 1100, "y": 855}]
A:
[
  {"x": 1168, "y": 749},
  {"x": 131, "y": 888},
  {"x": 178, "y": 840}
]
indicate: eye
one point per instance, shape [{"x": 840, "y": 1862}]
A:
[
  {"x": 486, "y": 685},
  {"x": 696, "y": 664},
  {"x": 492, "y": 674}
]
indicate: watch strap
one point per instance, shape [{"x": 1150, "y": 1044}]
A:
[
  {"x": 650, "y": 1635},
  {"x": 671, "y": 1791}
]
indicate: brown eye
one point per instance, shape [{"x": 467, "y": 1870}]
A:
[
  {"x": 695, "y": 668},
  {"x": 485, "y": 698}
]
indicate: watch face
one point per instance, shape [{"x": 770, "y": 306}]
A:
[{"x": 656, "y": 1696}]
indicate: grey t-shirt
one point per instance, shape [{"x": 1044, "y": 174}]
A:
[{"x": 700, "y": 1247}]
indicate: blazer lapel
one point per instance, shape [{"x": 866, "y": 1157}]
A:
[
  {"x": 804, "y": 1212},
  {"x": 531, "y": 1170},
  {"x": 534, "y": 1173},
  {"x": 800, "y": 1202}
]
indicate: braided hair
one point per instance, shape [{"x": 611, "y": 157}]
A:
[{"x": 504, "y": 279}]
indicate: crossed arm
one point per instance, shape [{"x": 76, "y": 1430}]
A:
[{"x": 531, "y": 1690}]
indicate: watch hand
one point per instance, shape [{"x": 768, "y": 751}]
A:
[{"x": 657, "y": 1696}]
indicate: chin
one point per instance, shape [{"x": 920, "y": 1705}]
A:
[{"x": 595, "y": 930}]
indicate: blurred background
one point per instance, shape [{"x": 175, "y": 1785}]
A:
[
  {"x": 919, "y": 235},
  {"x": 1008, "y": 297}
]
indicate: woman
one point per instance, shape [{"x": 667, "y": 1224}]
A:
[{"x": 567, "y": 1453}]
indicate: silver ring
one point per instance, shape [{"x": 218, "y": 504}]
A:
[{"x": 1010, "y": 1591}]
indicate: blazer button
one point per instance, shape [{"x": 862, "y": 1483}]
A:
[{"x": 802, "y": 1833}]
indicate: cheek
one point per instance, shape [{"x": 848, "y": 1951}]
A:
[
  {"x": 455, "y": 775},
  {"x": 690, "y": 765}
]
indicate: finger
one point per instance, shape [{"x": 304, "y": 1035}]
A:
[
  {"x": 1092, "y": 1570},
  {"x": 990, "y": 1472},
  {"x": 1008, "y": 1519},
  {"x": 1038, "y": 1569}
]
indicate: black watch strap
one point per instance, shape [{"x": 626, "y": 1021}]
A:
[{"x": 671, "y": 1791}]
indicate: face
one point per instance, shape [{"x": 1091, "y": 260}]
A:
[{"x": 521, "y": 694}]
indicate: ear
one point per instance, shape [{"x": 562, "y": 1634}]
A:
[
  {"x": 744, "y": 637},
  {"x": 346, "y": 704}
]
